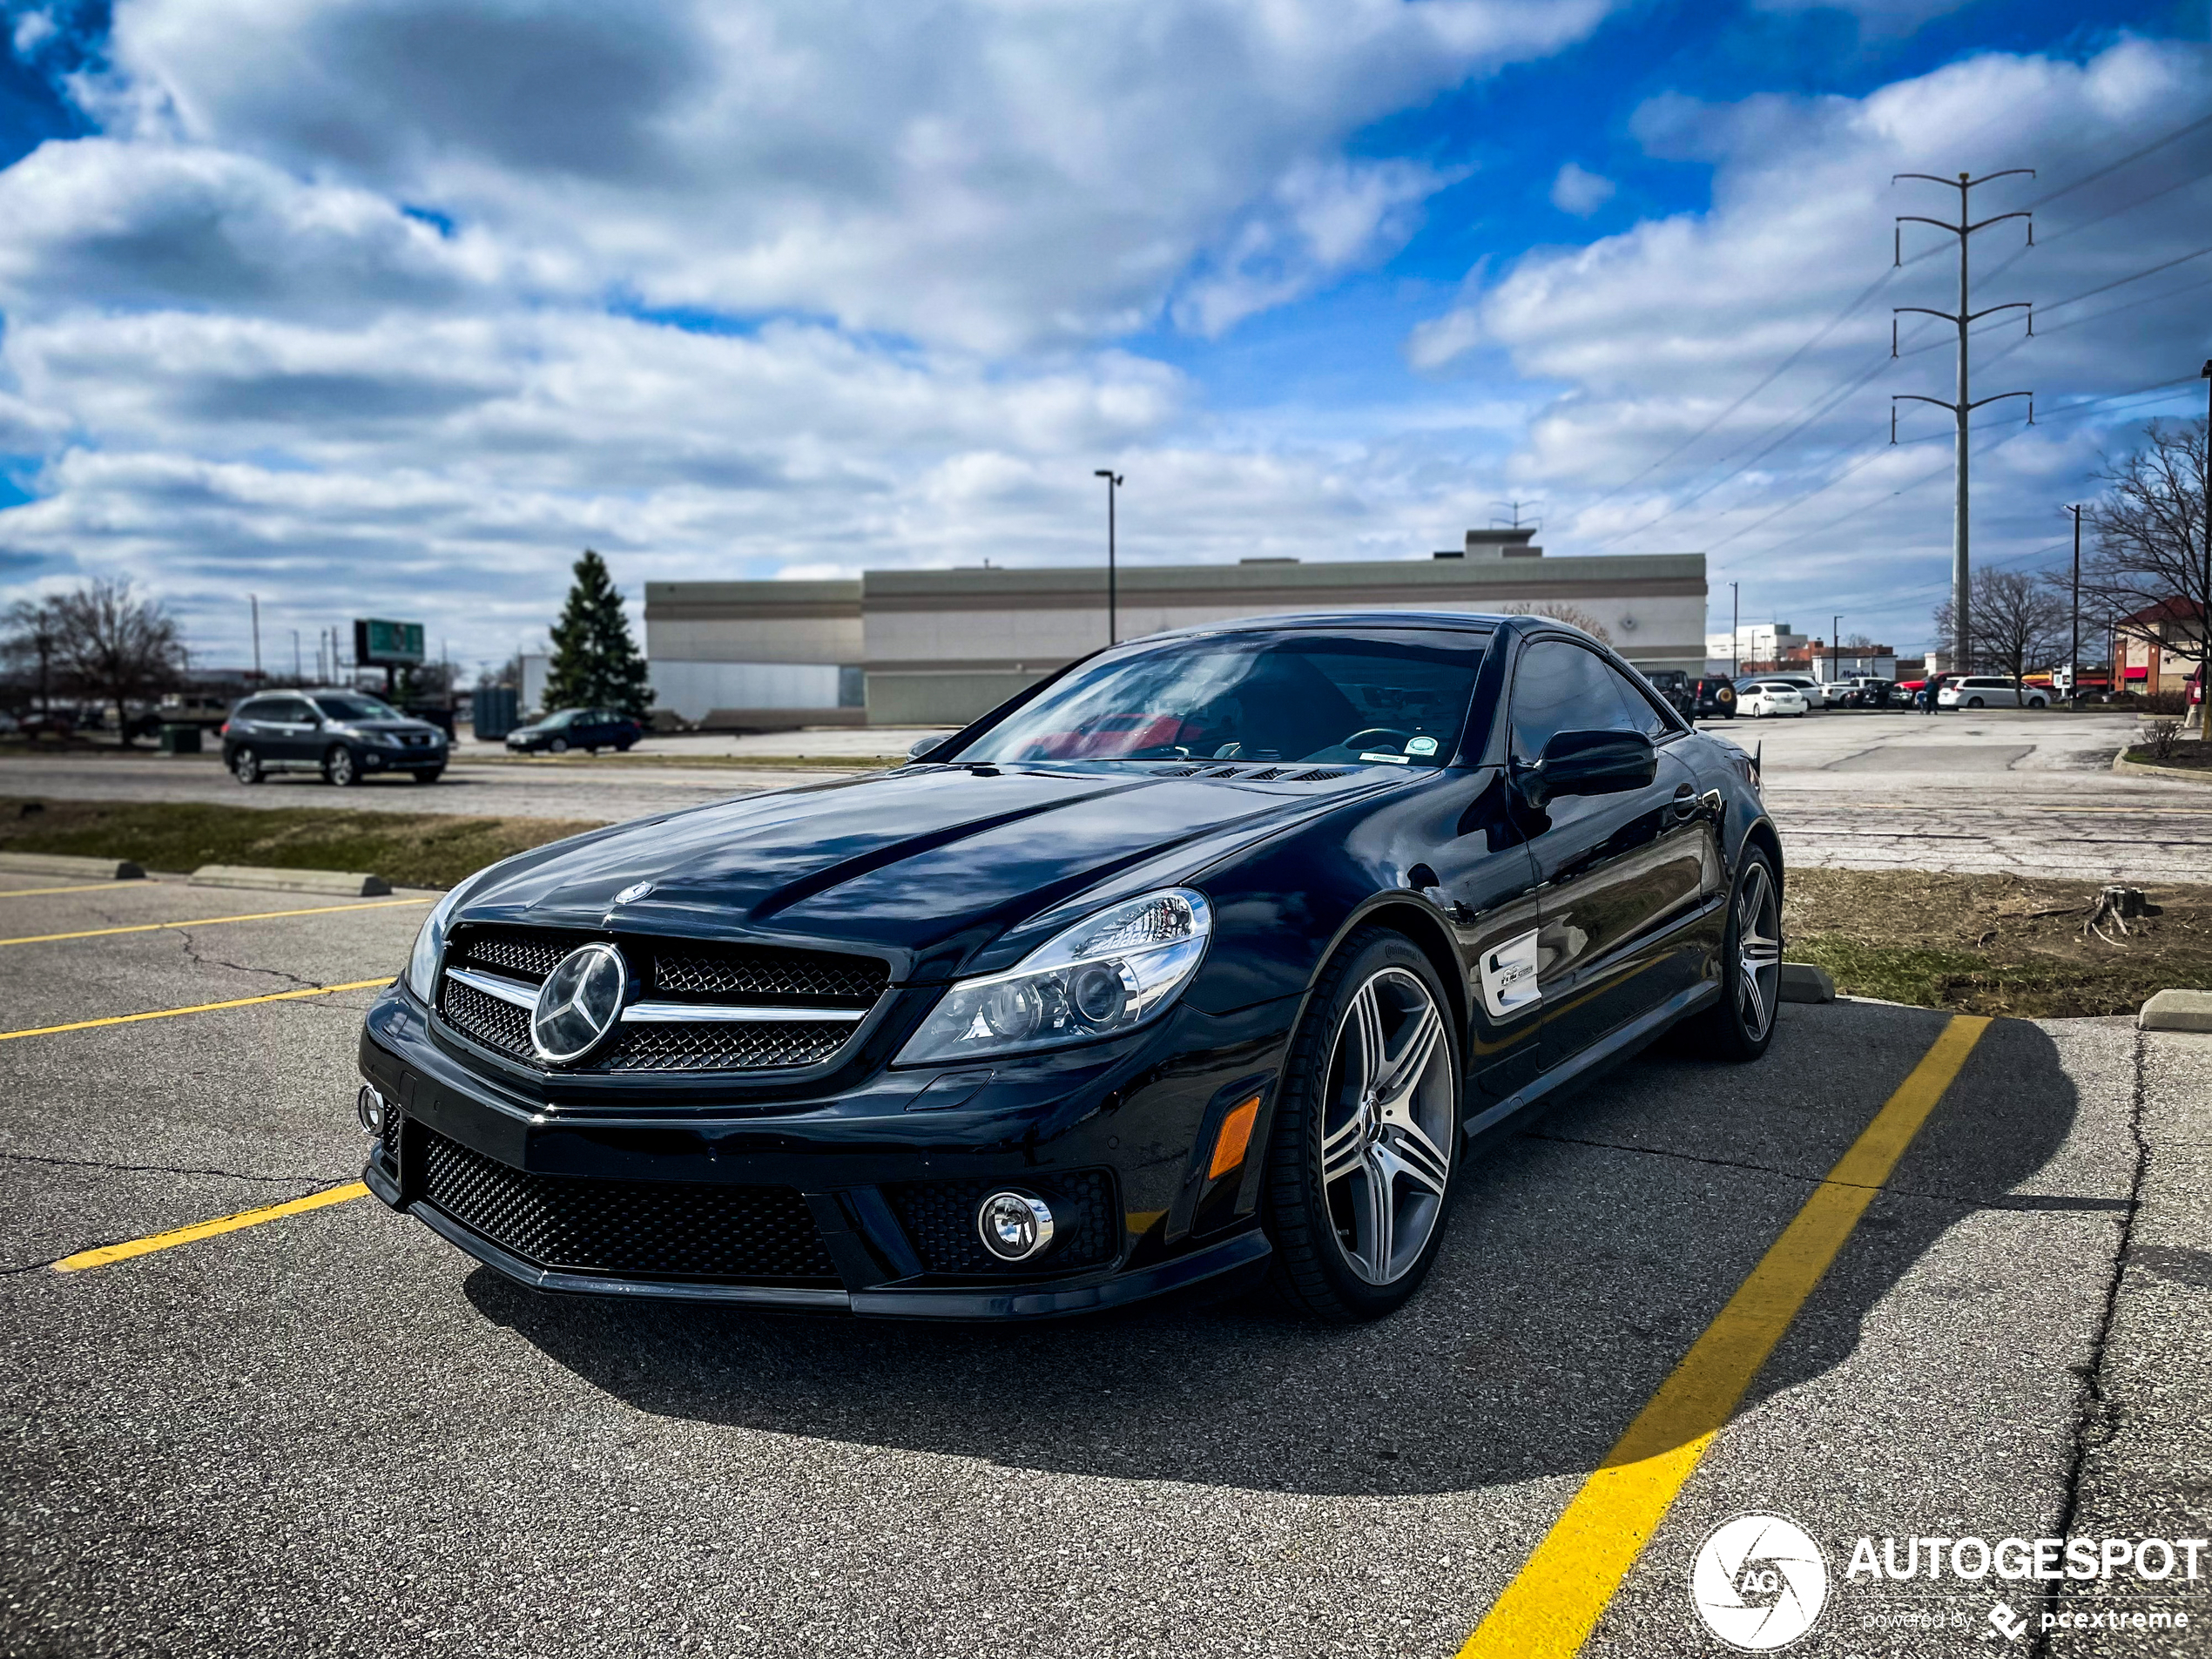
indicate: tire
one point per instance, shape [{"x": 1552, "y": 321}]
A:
[
  {"x": 429, "y": 774},
  {"x": 246, "y": 765},
  {"x": 1973, "y": 702},
  {"x": 340, "y": 769},
  {"x": 1331, "y": 1260},
  {"x": 2037, "y": 703},
  {"x": 1740, "y": 1027},
  {"x": 559, "y": 746}
]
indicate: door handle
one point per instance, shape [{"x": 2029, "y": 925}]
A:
[{"x": 1685, "y": 801}]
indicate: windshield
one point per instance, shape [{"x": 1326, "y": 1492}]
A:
[
  {"x": 1387, "y": 697},
  {"x": 354, "y": 708}
]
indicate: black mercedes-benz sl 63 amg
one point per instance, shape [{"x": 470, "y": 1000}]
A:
[{"x": 1209, "y": 961}]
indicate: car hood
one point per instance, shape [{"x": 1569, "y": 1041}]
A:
[
  {"x": 924, "y": 866},
  {"x": 403, "y": 724}
]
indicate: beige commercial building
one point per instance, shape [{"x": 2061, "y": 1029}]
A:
[{"x": 939, "y": 647}]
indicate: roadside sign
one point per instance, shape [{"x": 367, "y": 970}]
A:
[{"x": 386, "y": 644}]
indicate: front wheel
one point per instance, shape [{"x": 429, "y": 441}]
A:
[
  {"x": 1364, "y": 1147},
  {"x": 339, "y": 768},
  {"x": 1741, "y": 1025},
  {"x": 2037, "y": 703},
  {"x": 559, "y": 746},
  {"x": 246, "y": 765}
]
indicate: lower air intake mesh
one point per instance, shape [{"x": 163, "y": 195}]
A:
[{"x": 671, "y": 1230}]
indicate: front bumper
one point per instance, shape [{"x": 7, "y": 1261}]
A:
[{"x": 1132, "y": 1122}]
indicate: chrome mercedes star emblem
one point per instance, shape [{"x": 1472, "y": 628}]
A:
[
  {"x": 579, "y": 1003},
  {"x": 633, "y": 892}
]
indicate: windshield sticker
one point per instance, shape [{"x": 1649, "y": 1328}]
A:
[
  {"x": 1395, "y": 760},
  {"x": 1420, "y": 746}
]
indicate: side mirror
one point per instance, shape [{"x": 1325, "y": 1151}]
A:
[
  {"x": 921, "y": 747},
  {"x": 1590, "y": 762}
]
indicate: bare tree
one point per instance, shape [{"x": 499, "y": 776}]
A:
[
  {"x": 1573, "y": 615},
  {"x": 2150, "y": 559},
  {"x": 112, "y": 643},
  {"x": 2017, "y": 620},
  {"x": 27, "y": 651}
]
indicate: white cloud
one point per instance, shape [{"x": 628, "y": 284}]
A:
[
  {"x": 976, "y": 172},
  {"x": 1877, "y": 19},
  {"x": 1654, "y": 335},
  {"x": 1579, "y": 191}
]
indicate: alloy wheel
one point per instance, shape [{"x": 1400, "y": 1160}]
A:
[
  {"x": 1758, "y": 950},
  {"x": 246, "y": 766},
  {"x": 1387, "y": 1130},
  {"x": 339, "y": 766}
]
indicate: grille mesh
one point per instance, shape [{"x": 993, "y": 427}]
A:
[
  {"x": 492, "y": 1022},
  {"x": 725, "y": 1046},
  {"x": 534, "y": 951},
  {"x": 640, "y": 1229},
  {"x": 389, "y": 1139},
  {"x": 940, "y": 1219},
  {"x": 857, "y": 980}
]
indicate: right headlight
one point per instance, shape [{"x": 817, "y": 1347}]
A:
[{"x": 1108, "y": 974}]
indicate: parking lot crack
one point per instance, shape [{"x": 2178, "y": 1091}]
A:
[
  {"x": 149, "y": 1169},
  {"x": 2094, "y": 1420},
  {"x": 191, "y": 952}
]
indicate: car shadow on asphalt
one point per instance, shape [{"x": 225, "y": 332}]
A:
[{"x": 1583, "y": 1260}]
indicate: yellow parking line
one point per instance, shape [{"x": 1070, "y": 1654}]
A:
[
  {"x": 197, "y": 1007},
  {"x": 1555, "y": 1601},
  {"x": 107, "y": 1253},
  {"x": 210, "y": 921},
  {"x": 88, "y": 886}
]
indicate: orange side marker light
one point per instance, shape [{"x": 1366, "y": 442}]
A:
[{"x": 1235, "y": 1135}]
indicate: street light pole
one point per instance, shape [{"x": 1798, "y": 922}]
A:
[
  {"x": 1113, "y": 483},
  {"x": 1735, "y": 629},
  {"x": 1835, "y": 642},
  {"x": 2073, "y": 651}
]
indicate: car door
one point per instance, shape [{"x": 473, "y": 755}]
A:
[
  {"x": 1486, "y": 883},
  {"x": 1622, "y": 879},
  {"x": 287, "y": 734}
]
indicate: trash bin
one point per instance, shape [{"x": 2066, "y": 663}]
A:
[
  {"x": 179, "y": 739},
  {"x": 494, "y": 712}
]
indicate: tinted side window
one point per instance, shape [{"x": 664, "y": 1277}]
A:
[
  {"x": 257, "y": 708},
  {"x": 291, "y": 709},
  {"x": 1559, "y": 687}
]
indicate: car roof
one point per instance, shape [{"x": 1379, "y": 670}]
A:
[{"x": 1299, "y": 621}]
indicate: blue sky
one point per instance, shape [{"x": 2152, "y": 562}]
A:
[{"x": 390, "y": 306}]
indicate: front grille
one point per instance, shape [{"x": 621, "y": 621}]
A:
[
  {"x": 940, "y": 1219},
  {"x": 635, "y": 1229},
  {"x": 388, "y": 1139},
  {"x": 678, "y": 970}
]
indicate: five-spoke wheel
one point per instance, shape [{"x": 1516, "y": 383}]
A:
[{"x": 1364, "y": 1147}]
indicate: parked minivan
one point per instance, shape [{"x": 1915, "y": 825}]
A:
[{"x": 1990, "y": 692}]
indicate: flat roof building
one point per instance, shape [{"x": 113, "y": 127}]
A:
[{"x": 939, "y": 647}]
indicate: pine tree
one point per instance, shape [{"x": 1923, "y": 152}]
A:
[{"x": 596, "y": 663}]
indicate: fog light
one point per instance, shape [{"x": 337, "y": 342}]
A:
[
  {"x": 1014, "y": 1225},
  {"x": 368, "y": 1106}
]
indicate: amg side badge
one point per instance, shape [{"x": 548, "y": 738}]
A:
[{"x": 1509, "y": 976}]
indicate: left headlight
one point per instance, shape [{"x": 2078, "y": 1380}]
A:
[
  {"x": 1107, "y": 974},
  {"x": 430, "y": 943}
]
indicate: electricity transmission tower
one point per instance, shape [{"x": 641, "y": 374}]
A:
[{"x": 1962, "y": 635}]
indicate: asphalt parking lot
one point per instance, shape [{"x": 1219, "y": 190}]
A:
[{"x": 331, "y": 1433}]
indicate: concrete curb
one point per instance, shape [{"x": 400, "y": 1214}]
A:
[
  {"x": 1803, "y": 982},
  {"x": 2180, "y": 774},
  {"x": 340, "y": 884},
  {"x": 2177, "y": 1011},
  {"x": 65, "y": 864}
]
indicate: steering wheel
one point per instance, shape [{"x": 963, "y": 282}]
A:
[{"x": 1362, "y": 739}]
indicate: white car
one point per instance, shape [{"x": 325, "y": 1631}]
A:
[
  {"x": 1771, "y": 697},
  {"x": 1988, "y": 691}
]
